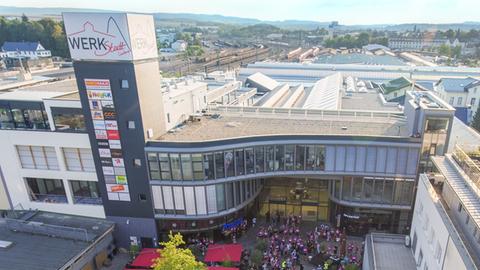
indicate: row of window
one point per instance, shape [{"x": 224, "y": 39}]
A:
[
  {"x": 473, "y": 101},
  {"x": 375, "y": 190},
  {"x": 203, "y": 200},
  {"x": 45, "y": 158},
  {"x": 236, "y": 162},
  {"x": 53, "y": 191},
  {"x": 32, "y": 115},
  {"x": 23, "y": 116}
]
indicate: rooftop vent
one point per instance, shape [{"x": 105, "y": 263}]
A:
[
  {"x": 5, "y": 244},
  {"x": 344, "y": 128}
]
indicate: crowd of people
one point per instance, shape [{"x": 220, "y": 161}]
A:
[
  {"x": 287, "y": 247},
  {"x": 285, "y": 244}
]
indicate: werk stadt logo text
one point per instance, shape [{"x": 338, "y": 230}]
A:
[{"x": 101, "y": 43}]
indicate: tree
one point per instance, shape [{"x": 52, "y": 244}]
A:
[
  {"x": 175, "y": 258},
  {"x": 444, "y": 49},
  {"x": 476, "y": 120}
]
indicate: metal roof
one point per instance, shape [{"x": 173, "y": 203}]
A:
[
  {"x": 325, "y": 94},
  {"x": 9, "y": 46},
  {"x": 456, "y": 85},
  {"x": 263, "y": 81},
  {"x": 461, "y": 184}
]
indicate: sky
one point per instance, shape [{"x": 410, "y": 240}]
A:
[{"x": 345, "y": 11}]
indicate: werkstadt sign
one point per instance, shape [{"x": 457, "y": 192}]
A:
[{"x": 110, "y": 36}]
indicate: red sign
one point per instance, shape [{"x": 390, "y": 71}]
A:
[
  {"x": 113, "y": 135},
  {"x": 118, "y": 188}
]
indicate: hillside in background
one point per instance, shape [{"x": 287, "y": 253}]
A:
[{"x": 204, "y": 18}]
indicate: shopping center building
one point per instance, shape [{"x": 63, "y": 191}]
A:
[{"x": 190, "y": 155}]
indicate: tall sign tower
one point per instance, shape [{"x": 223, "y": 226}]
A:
[{"x": 116, "y": 67}]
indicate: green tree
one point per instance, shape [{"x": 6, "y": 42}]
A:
[
  {"x": 175, "y": 258},
  {"x": 456, "y": 51},
  {"x": 476, "y": 120},
  {"x": 445, "y": 50}
]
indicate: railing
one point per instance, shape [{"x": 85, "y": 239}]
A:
[
  {"x": 48, "y": 230},
  {"x": 311, "y": 114},
  {"x": 470, "y": 168}
]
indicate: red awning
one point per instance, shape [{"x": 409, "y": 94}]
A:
[
  {"x": 221, "y": 268},
  {"x": 223, "y": 253},
  {"x": 145, "y": 258}
]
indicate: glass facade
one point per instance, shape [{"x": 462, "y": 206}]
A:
[
  {"x": 68, "y": 119},
  {"x": 46, "y": 190},
  {"x": 374, "y": 190},
  {"x": 23, "y": 115},
  {"x": 203, "y": 200},
  {"x": 235, "y": 162},
  {"x": 85, "y": 192}
]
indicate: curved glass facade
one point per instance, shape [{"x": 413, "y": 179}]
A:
[
  {"x": 208, "y": 200},
  {"x": 235, "y": 162}
]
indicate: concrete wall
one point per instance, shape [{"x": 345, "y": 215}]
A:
[
  {"x": 183, "y": 101},
  {"x": 14, "y": 174},
  {"x": 433, "y": 232}
]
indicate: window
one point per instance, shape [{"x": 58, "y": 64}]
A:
[
  {"x": 85, "y": 192},
  {"x": 79, "y": 159},
  {"x": 6, "y": 118},
  {"x": 164, "y": 166},
  {"x": 175, "y": 163},
  {"x": 68, "y": 119},
  {"x": 249, "y": 160},
  {"x": 197, "y": 167},
  {"x": 46, "y": 190},
  {"x": 187, "y": 167},
  {"x": 137, "y": 163},
  {"x": 459, "y": 101},
  {"x": 124, "y": 84},
  {"x": 153, "y": 166},
  {"x": 168, "y": 117},
  {"x": 472, "y": 101},
  {"x": 220, "y": 193},
  {"x": 219, "y": 165},
  {"x": 279, "y": 158},
  {"x": 467, "y": 220},
  {"x": 208, "y": 165},
  {"x": 289, "y": 157},
  {"x": 259, "y": 159},
  {"x": 459, "y": 208},
  {"x": 452, "y": 99},
  {"x": 239, "y": 162},
  {"x": 37, "y": 157},
  {"x": 269, "y": 157},
  {"x": 229, "y": 163},
  {"x": 25, "y": 115},
  {"x": 300, "y": 157},
  {"x": 142, "y": 197}
]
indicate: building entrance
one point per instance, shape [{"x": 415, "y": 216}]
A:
[{"x": 295, "y": 196}]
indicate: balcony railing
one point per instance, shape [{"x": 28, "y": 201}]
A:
[{"x": 471, "y": 169}]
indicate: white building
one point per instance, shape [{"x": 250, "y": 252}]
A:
[
  {"x": 179, "y": 45},
  {"x": 46, "y": 159},
  {"x": 445, "y": 227},
  {"x": 182, "y": 99},
  {"x": 166, "y": 38},
  {"x": 462, "y": 93},
  {"x": 31, "y": 50}
]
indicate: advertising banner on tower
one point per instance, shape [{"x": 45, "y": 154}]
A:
[{"x": 110, "y": 36}]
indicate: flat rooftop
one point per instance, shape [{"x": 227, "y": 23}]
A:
[
  {"x": 388, "y": 252},
  {"x": 366, "y": 101},
  {"x": 263, "y": 123},
  {"x": 35, "y": 251}
]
